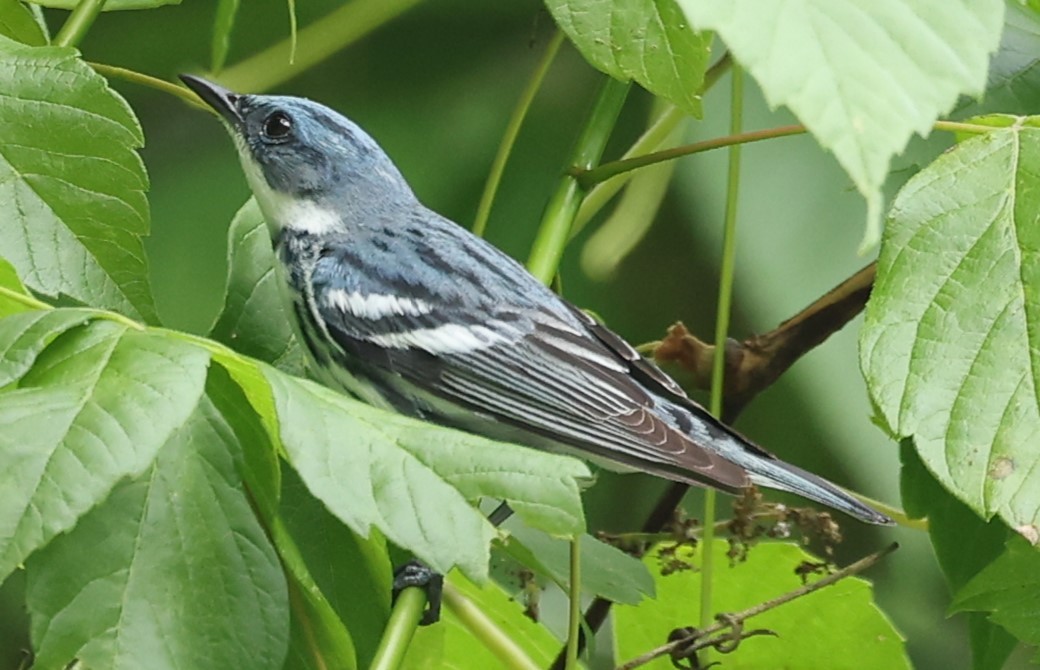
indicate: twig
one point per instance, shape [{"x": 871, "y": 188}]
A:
[
  {"x": 699, "y": 639},
  {"x": 754, "y": 364}
]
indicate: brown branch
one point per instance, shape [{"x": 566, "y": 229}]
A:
[
  {"x": 685, "y": 645},
  {"x": 755, "y": 364},
  {"x": 751, "y": 366}
]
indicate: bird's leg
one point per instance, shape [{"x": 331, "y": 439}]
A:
[{"x": 417, "y": 573}]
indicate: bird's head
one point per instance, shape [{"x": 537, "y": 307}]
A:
[{"x": 309, "y": 167}]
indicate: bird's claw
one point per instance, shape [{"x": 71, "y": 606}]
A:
[{"x": 417, "y": 573}]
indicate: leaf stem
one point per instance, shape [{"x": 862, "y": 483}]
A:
[
  {"x": 726, "y": 274},
  {"x": 316, "y": 42},
  {"x": 498, "y": 166},
  {"x": 404, "y": 619},
  {"x": 563, "y": 206},
  {"x": 23, "y": 299},
  {"x": 79, "y": 22},
  {"x": 960, "y": 127},
  {"x": 508, "y": 652},
  {"x": 574, "y": 610},
  {"x": 132, "y": 76},
  {"x": 649, "y": 141},
  {"x": 608, "y": 170}
]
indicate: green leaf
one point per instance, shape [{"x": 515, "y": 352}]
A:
[
  {"x": 254, "y": 320},
  {"x": 110, "y": 6},
  {"x": 1013, "y": 85},
  {"x": 412, "y": 480},
  {"x": 964, "y": 545},
  {"x": 862, "y": 76},
  {"x": 950, "y": 347},
  {"x": 454, "y": 645},
  {"x": 18, "y": 23},
  {"x": 222, "y": 25},
  {"x": 171, "y": 571},
  {"x": 96, "y": 406},
  {"x": 606, "y": 571},
  {"x": 838, "y": 626},
  {"x": 353, "y": 573},
  {"x": 1009, "y": 589},
  {"x": 645, "y": 40},
  {"x": 76, "y": 208}
]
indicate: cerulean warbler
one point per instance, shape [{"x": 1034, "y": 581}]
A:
[{"x": 405, "y": 309}]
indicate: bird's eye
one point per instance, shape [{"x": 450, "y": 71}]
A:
[{"x": 277, "y": 126}]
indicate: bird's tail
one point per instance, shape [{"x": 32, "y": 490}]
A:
[
  {"x": 766, "y": 470},
  {"x": 776, "y": 474}
]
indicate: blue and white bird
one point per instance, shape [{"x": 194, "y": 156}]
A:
[{"x": 405, "y": 309}]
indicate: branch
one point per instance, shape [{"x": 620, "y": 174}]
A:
[
  {"x": 687, "y": 644},
  {"x": 754, "y": 364}
]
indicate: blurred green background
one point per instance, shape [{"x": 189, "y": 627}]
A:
[{"x": 435, "y": 86}]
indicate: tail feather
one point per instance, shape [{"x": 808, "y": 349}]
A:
[{"x": 791, "y": 478}]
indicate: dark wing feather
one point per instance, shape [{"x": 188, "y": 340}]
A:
[{"x": 552, "y": 377}]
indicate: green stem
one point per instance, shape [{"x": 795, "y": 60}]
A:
[
  {"x": 509, "y": 654},
  {"x": 608, "y": 170},
  {"x": 404, "y": 619},
  {"x": 23, "y": 299},
  {"x": 562, "y": 208},
  {"x": 329, "y": 34},
  {"x": 113, "y": 72},
  {"x": 649, "y": 141},
  {"x": 498, "y": 166},
  {"x": 78, "y": 23},
  {"x": 959, "y": 127},
  {"x": 574, "y": 611},
  {"x": 726, "y": 273}
]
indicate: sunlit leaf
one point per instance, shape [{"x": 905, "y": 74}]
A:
[
  {"x": 838, "y": 626},
  {"x": 862, "y": 76},
  {"x": 950, "y": 343},
  {"x": 73, "y": 184},
  {"x": 645, "y": 40}
]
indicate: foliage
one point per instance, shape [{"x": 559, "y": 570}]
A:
[{"x": 180, "y": 501}]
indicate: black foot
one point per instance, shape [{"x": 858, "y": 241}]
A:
[{"x": 417, "y": 573}]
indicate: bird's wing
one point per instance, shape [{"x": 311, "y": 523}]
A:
[{"x": 540, "y": 371}]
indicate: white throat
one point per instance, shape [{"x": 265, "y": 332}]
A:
[{"x": 279, "y": 209}]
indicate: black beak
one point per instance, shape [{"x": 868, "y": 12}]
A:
[{"x": 219, "y": 98}]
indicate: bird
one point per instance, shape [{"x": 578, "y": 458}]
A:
[{"x": 407, "y": 310}]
